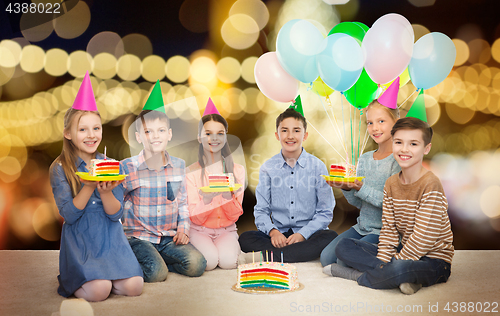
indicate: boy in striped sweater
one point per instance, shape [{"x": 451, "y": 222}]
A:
[{"x": 415, "y": 247}]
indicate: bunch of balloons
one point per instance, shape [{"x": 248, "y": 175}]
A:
[{"x": 353, "y": 59}]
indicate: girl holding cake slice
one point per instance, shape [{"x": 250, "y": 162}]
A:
[
  {"x": 214, "y": 214},
  {"x": 376, "y": 166},
  {"x": 95, "y": 257}
]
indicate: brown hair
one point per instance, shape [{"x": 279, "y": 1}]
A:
[
  {"x": 413, "y": 123},
  {"x": 393, "y": 112},
  {"x": 225, "y": 151},
  {"x": 291, "y": 113},
  {"x": 150, "y": 115},
  {"x": 68, "y": 157}
]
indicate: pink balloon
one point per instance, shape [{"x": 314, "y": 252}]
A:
[
  {"x": 401, "y": 19},
  {"x": 388, "y": 47},
  {"x": 273, "y": 81}
]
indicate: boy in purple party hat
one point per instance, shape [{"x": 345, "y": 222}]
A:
[{"x": 156, "y": 217}]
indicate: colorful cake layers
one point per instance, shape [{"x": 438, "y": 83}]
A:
[
  {"x": 337, "y": 171},
  {"x": 272, "y": 275},
  {"x": 223, "y": 180},
  {"x": 104, "y": 167}
]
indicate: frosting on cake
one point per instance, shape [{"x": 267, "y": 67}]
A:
[
  {"x": 222, "y": 180},
  {"x": 272, "y": 275},
  {"x": 104, "y": 167}
]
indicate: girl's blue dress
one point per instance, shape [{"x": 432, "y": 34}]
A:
[{"x": 93, "y": 244}]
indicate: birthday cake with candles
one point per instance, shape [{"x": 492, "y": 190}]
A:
[
  {"x": 104, "y": 167},
  {"x": 222, "y": 180},
  {"x": 267, "y": 276}
]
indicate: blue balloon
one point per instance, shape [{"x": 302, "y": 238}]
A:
[
  {"x": 432, "y": 60},
  {"x": 340, "y": 61},
  {"x": 296, "y": 47}
]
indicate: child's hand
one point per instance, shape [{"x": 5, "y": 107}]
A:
[
  {"x": 227, "y": 195},
  {"x": 277, "y": 238},
  {"x": 292, "y": 239},
  {"x": 107, "y": 186},
  {"x": 208, "y": 196},
  {"x": 90, "y": 184},
  {"x": 181, "y": 239},
  {"x": 356, "y": 185}
]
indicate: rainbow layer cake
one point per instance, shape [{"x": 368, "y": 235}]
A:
[
  {"x": 337, "y": 171},
  {"x": 270, "y": 275},
  {"x": 223, "y": 180},
  {"x": 104, "y": 167}
]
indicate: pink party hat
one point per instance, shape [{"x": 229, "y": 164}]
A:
[
  {"x": 390, "y": 97},
  {"x": 85, "y": 100},
  {"x": 210, "y": 108}
]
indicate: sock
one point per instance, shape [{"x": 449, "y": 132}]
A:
[
  {"x": 342, "y": 272},
  {"x": 409, "y": 288}
]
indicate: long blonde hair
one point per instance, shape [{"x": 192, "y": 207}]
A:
[{"x": 68, "y": 157}]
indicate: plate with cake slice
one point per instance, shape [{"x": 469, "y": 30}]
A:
[
  {"x": 341, "y": 179},
  {"x": 88, "y": 177},
  {"x": 221, "y": 182},
  {"x": 102, "y": 170},
  {"x": 209, "y": 189}
]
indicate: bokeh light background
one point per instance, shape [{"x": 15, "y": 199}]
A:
[{"x": 208, "y": 48}]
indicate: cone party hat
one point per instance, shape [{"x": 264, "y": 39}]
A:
[
  {"x": 390, "y": 97},
  {"x": 417, "y": 109},
  {"x": 297, "y": 105},
  {"x": 85, "y": 100},
  {"x": 210, "y": 108},
  {"x": 155, "y": 99}
]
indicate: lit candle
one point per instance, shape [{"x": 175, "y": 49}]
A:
[
  {"x": 104, "y": 152},
  {"x": 267, "y": 257},
  {"x": 271, "y": 256},
  {"x": 282, "y": 257}
]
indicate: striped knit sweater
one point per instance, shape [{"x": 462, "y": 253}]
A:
[{"x": 418, "y": 214}]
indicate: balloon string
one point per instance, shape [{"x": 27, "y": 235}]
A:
[
  {"x": 343, "y": 125},
  {"x": 407, "y": 98},
  {"x": 359, "y": 134},
  {"x": 309, "y": 122},
  {"x": 365, "y": 141},
  {"x": 334, "y": 126},
  {"x": 337, "y": 130},
  {"x": 352, "y": 136}
]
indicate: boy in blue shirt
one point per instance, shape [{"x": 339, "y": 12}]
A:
[{"x": 294, "y": 203}]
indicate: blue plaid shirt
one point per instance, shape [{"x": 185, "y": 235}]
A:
[
  {"x": 297, "y": 198},
  {"x": 155, "y": 201}
]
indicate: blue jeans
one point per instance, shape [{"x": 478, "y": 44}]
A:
[
  {"x": 362, "y": 255},
  {"x": 328, "y": 254},
  {"x": 157, "y": 259},
  {"x": 306, "y": 250}
]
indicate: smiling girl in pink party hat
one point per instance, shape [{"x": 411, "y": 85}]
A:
[
  {"x": 376, "y": 166},
  {"x": 213, "y": 214},
  {"x": 95, "y": 257}
]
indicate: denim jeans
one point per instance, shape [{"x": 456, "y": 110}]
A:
[
  {"x": 306, "y": 250},
  {"x": 157, "y": 259},
  {"x": 328, "y": 254},
  {"x": 362, "y": 255}
]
